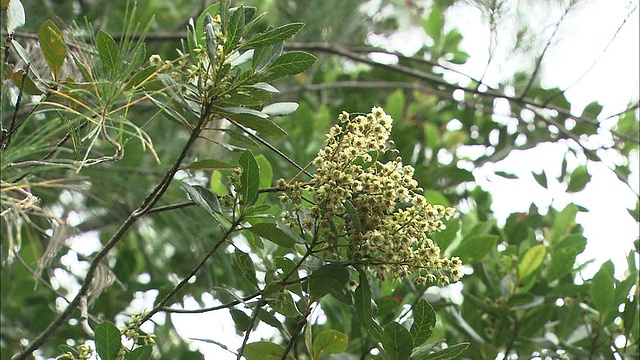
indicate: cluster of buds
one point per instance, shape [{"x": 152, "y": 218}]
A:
[{"x": 373, "y": 213}]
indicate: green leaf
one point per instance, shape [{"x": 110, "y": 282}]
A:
[
  {"x": 592, "y": 110},
  {"x": 579, "y": 179},
  {"x": 397, "y": 341},
  {"x": 15, "y": 15},
  {"x": 475, "y": 247},
  {"x": 247, "y": 269},
  {"x": 330, "y": 279},
  {"x": 444, "y": 238},
  {"x": 28, "y": 87},
  {"x": 280, "y": 109},
  {"x": 364, "y": 312},
  {"x": 602, "y": 290},
  {"x": 424, "y": 319},
  {"x": 289, "y": 269},
  {"x": 203, "y": 197},
  {"x": 535, "y": 320},
  {"x": 250, "y": 178},
  {"x": 140, "y": 353},
  {"x": 266, "y": 175},
  {"x": 541, "y": 179},
  {"x": 331, "y": 342},
  {"x": 235, "y": 28},
  {"x": 564, "y": 222},
  {"x": 253, "y": 119},
  {"x": 107, "y": 50},
  {"x": 212, "y": 11},
  {"x": 506, "y": 175},
  {"x": 531, "y": 260},
  {"x": 242, "y": 320},
  {"x": 140, "y": 77},
  {"x": 264, "y": 350},
  {"x": 264, "y": 56},
  {"x": 275, "y": 36},
  {"x": 264, "y": 86},
  {"x": 286, "y": 306},
  {"x": 395, "y": 105},
  {"x": 290, "y": 63},
  {"x": 434, "y": 23},
  {"x": 209, "y": 164},
  {"x": 269, "y": 319},
  {"x": 108, "y": 340},
  {"x": 452, "y": 352},
  {"x": 53, "y": 47},
  {"x": 271, "y": 232},
  {"x": 353, "y": 216}
]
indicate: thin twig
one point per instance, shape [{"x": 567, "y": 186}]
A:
[{"x": 213, "y": 308}]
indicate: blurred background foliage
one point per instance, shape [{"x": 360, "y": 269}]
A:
[{"x": 523, "y": 295}]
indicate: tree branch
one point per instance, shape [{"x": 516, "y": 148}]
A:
[{"x": 144, "y": 207}]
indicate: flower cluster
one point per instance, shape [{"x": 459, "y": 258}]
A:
[{"x": 372, "y": 212}]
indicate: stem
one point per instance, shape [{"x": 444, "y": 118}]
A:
[{"x": 161, "y": 304}]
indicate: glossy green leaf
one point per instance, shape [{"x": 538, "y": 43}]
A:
[
  {"x": 140, "y": 353},
  {"x": 209, "y": 164},
  {"x": 203, "y": 197},
  {"x": 271, "y": 232},
  {"x": 280, "y": 109},
  {"x": 531, "y": 260},
  {"x": 579, "y": 179},
  {"x": 264, "y": 350},
  {"x": 274, "y": 36},
  {"x": 424, "y": 319},
  {"x": 108, "y": 51},
  {"x": 250, "y": 178},
  {"x": 107, "y": 340},
  {"x": 53, "y": 47},
  {"x": 290, "y": 63},
  {"x": 330, "y": 279},
  {"x": 247, "y": 269},
  {"x": 330, "y": 342},
  {"x": 364, "y": 312},
  {"x": 397, "y": 341}
]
